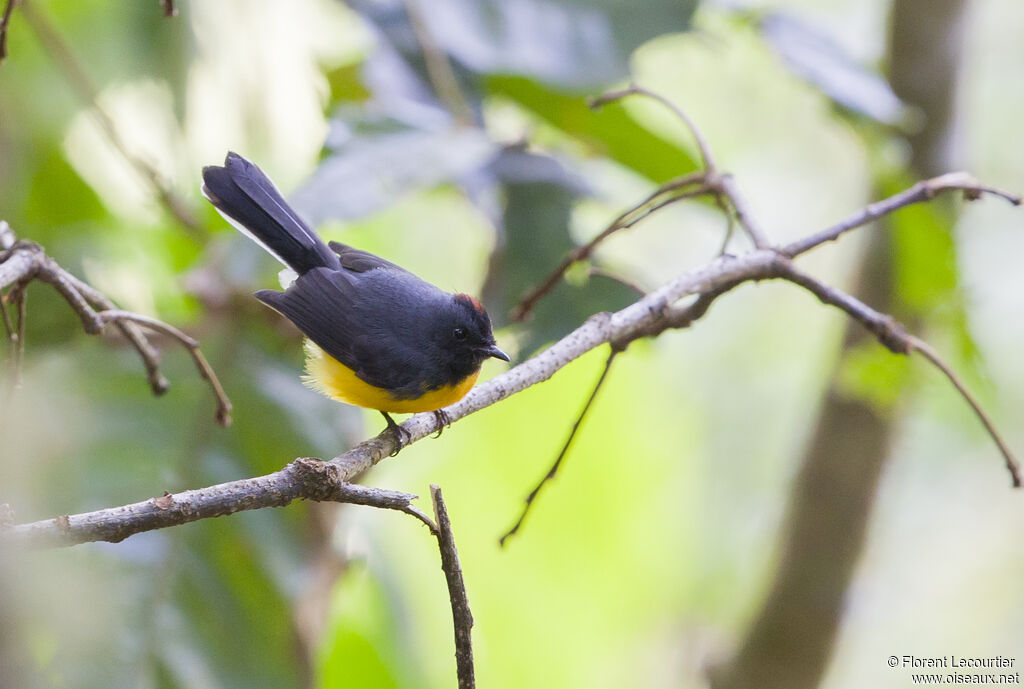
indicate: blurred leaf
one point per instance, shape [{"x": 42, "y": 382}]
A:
[
  {"x": 368, "y": 174},
  {"x": 873, "y": 374},
  {"x": 359, "y": 649},
  {"x": 610, "y": 131},
  {"x": 53, "y": 179},
  {"x": 569, "y": 43},
  {"x": 346, "y": 84},
  {"x": 223, "y": 585},
  {"x": 812, "y": 55}
]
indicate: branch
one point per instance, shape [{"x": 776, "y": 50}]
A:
[
  {"x": 894, "y": 337},
  {"x": 649, "y": 316},
  {"x": 223, "y": 414},
  {"x": 635, "y": 90},
  {"x": 461, "y": 615},
  {"x": 304, "y": 478},
  {"x": 725, "y": 186},
  {"x": 699, "y": 181},
  {"x": 925, "y": 190},
  {"x": 276, "y": 489},
  {"x": 23, "y": 262}
]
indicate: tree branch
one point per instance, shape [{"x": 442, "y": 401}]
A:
[
  {"x": 925, "y": 190},
  {"x": 462, "y": 617},
  {"x": 304, "y": 478},
  {"x": 23, "y": 262},
  {"x": 895, "y": 337},
  {"x": 675, "y": 190}
]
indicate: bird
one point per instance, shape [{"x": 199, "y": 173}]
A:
[{"x": 377, "y": 336}]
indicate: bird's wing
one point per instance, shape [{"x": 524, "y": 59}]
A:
[
  {"x": 359, "y": 261},
  {"x": 345, "y": 322}
]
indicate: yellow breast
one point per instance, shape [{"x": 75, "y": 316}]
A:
[{"x": 329, "y": 376}]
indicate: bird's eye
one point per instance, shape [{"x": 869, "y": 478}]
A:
[{"x": 460, "y": 333}]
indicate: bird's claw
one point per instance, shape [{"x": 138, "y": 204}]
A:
[
  {"x": 401, "y": 436},
  {"x": 442, "y": 420}
]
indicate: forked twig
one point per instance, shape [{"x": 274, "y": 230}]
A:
[
  {"x": 635, "y": 90},
  {"x": 223, "y": 414},
  {"x": 675, "y": 190},
  {"x": 23, "y": 262},
  {"x": 150, "y": 357},
  {"x": 925, "y": 190}
]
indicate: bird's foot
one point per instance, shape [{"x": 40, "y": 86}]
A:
[
  {"x": 401, "y": 436},
  {"x": 442, "y": 420}
]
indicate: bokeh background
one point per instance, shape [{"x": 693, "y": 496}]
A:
[{"x": 649, "y": 561}]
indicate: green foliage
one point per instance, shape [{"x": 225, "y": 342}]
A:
[
  {"x": 654, "y": 531},
  {"x": 871, "y": 373},
  {"x": 610, "y": 131}
]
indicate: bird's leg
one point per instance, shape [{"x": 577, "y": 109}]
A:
[
  {"x": 442, "y": 420},
  {"x": 401, "y": 435}
]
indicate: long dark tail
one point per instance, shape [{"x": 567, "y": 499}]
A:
[{"x": 251, "y": 202}]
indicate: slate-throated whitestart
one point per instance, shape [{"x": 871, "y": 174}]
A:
[{"x": 378, "y": 336}]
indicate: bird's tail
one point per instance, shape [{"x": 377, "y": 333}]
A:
[{"x": 249, "y": 200}]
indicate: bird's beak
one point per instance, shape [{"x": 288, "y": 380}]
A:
[{"x": 492, "y": 350}]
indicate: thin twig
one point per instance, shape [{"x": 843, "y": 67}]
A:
[
  {"x": 931, "y": 355},
  {"x": 723, "y": 184},
  {"x": 461, "y": 615},
  {"x": 598, "y": 271},
  {"x": 73, "y": 72},
  {"x": 730, "y": 225},
  {"x": 8, "y": 325},
  {"x": 147, "y": 353},
  {"x": 15, "y": 334},
  {"x": 223, "y": 414},
  {"x": 628, "y": 218},
  {"x": 924, "y": 190},
  {"x": 565, "y": 449},
  {"x": 4, "y": 23},
  {"x": 635, "y": 90},
  {"x": 439, "y": 68},
  {"x": 746, "y": 218}
]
